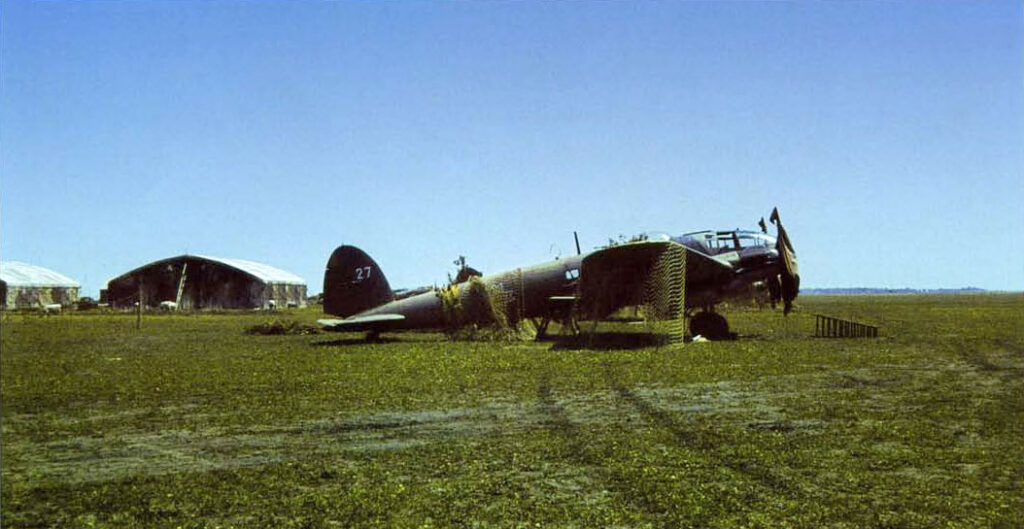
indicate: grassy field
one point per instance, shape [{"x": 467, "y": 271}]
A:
[{"x": 190, "y": 422}]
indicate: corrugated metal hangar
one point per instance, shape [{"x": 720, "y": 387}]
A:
[
  {"x": 25, "y": 286},
  {"x": 202, "y": 282}
]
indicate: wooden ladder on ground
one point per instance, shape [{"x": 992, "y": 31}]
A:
[{"x": 829, "y": 327}]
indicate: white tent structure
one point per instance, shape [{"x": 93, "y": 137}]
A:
[{"x": 25, "y": 286}]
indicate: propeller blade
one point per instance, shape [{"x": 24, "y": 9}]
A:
[
  {"x": 789, "y": 273},
  {"x": 774, "y": 290}
]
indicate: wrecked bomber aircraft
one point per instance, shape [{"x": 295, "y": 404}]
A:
[{"x": 669, "y": 276}]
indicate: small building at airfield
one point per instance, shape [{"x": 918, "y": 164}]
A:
[
  {"x": 203, "y": 282},
  {"x": 25, "y": 286}
]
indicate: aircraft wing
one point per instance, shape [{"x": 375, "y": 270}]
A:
[
  {"x": 622, "y": 275},
  {"x": 375, "y": 322},
  {"x": 644, "y": 273}
]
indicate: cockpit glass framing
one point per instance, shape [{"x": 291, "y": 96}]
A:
[{"x": 715, "y": 243}]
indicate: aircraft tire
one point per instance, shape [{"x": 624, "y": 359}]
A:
[{"x": 710, "y": 325}]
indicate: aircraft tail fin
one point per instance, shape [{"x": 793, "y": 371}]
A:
[{"x": 353, "y": 282}]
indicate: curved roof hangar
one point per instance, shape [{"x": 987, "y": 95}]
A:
[
  {"x": 16, "y": 273},
  {"x": 259, "y": 271}
]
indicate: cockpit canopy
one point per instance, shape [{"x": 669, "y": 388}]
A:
[{"x": 717, "y": 242}]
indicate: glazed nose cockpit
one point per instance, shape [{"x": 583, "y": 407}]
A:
[
  {"x": 726, "y": 242},
  {"x": 753, "y": 254}
]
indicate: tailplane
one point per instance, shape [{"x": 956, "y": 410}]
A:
[{"x": 353, "y": 283}]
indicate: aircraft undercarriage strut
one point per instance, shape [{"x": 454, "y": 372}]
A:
[{"x": 567, "y": 321}]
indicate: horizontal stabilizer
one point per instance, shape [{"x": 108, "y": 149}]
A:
[{"x": 376, "y": 322}]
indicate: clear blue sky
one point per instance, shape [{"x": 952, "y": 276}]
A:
[{"x": 890, "y": 134}]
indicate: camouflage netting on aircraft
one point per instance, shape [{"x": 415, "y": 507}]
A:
[
  {"x": 650, "y": 275},
  {"x": 507, "y": 290},
  {"x": 478, "y": 310},
  {"x": 665, "y": 292},
  {"x": 471, "y": 303},
  {"x": 480, "y": 305}
]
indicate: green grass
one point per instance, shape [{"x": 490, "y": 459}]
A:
[{"x": 192, "y": 422}]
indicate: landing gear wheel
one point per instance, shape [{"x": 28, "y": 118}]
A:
[{"x": 710, "y": 325}]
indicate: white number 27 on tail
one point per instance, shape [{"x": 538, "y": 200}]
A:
[{"x": 363, "y": 272}]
